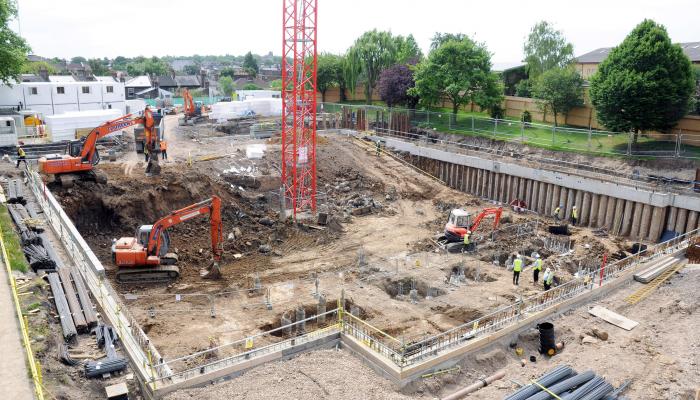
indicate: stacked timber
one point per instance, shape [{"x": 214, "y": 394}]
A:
[{"x": 15, "y": 192}]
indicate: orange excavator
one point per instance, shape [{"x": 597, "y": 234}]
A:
[
  {"x": 460, "y": 221},
  {"x": 82, "y": 155},
  {"x": 193, "y": 110},
  {"x": 145, "y": 258}
]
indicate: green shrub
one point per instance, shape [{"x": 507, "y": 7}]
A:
[
  {"x": 497, "y": 112},
  {"x": 526, "y": 116}
]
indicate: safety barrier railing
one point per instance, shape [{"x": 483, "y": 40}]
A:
[
  {"x": 34, "y": 367},
  {"x": 245, "y": 349},
  {"x": 135, "y": 342}
]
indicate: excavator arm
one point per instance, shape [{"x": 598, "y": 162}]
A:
[
  {"x": 495, "y": 211},
  {"x": 211, "y": 207},
  {"x": 87, "y": 152},
  {"x": 188, "y": 102}
]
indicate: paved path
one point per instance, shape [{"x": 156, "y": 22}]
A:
[{"x": 14, "y": 375}]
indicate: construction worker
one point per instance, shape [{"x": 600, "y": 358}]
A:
[
  {"x": 536, "y": 268},
  {"x": 21, "y": 155},
  {"x": 556, "y": 213},
  {"x": 467, "y": 239},
  {"x": 378, "y": 148},
  {"x": 164, "y": 149},
  {"x": 517, "y": 267},
  {"x": 548, "y": 279},
  {"x": 574, "y": 215}
]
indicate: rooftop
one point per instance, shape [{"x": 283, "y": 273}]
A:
[
  {"x": 139, "y": 81},
  {"x": 691, "y": 49}
]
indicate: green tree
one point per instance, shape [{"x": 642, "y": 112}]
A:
[
  {"x": 407, "y": 50},
  {"x": 37, "y": 66},
  {"x": 78, "y": 60},
  {"x": 119, "y": 63},
  {"x": 251, "y": 86},
  {"x": 135, "y": 69},
  {"x": 440, "y": 38},
  {"x": 523, "y": 88},
  {"x": 13, "y": 49},
  {"x": 227, "y": 71},
  {"x": 559, "y": 90},
  {"x": 645, "y": 83},
  {"x": 546, "y": 48},
  {"x": 227, "y": 86},
  {"x": 250, "y": 64},
  {"x": 97, "y": 67},
  {"x": 328, "y": 70},
  {"x": 276, "y": 84},
  {"x": 370, "y": 54},
  {"x": 192, "y": 69},
  {"x": 460, "y": 70}
]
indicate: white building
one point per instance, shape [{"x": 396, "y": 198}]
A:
[{"x": 51, "y": 98}]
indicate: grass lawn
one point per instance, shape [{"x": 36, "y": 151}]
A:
[{"x": 12, "y": 241}]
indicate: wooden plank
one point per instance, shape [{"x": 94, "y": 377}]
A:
[{"x": 613, "y": 318}]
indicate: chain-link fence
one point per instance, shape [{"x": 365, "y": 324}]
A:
[{"x": 592, "y": 141}]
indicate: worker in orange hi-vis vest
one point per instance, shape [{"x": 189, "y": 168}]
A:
[{"x": 164, "y": 149}]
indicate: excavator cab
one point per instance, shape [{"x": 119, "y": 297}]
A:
[{"x": 457, "y": 224}]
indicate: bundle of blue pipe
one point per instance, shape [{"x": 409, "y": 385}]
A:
[{"x": 566, "y": 384}]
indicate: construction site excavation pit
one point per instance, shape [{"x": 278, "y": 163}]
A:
[{"x": 378, "y": 245}]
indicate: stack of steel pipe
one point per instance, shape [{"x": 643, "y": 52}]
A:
[
  {"x": 112, "y": 363},
  {"x": 39, "y": 258},
  {"x": 599, "y": 392},
  {"x": 563, "y": 386},
  {"x": 62, "y": 308},
  {"x": 19, "y": 214},
  {"x": 557, "y": 374},
  {"x": 584, "y": 389},
  {"x": 14, "y": 192},
  {"x": 73, "y": 303}
]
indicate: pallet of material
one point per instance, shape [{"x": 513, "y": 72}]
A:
[{"x": 659, "y": 267}]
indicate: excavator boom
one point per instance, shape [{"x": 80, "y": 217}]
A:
[{"x": 85, "y": 160}]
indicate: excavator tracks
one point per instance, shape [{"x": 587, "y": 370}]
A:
[{"x": 159, "y": 274}]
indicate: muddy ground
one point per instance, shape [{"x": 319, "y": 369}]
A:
[{"x": 377, "y": 248}]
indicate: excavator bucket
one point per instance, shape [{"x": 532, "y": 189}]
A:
[
  {"x": 153, "y": 168},
  {"x": 212, "y": 272}
]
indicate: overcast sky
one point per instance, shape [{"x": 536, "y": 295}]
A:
[{"x": 97, "y": 28}]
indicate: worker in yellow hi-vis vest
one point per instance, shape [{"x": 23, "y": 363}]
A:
[
  {"x": 517, "y": 267},
  {"x": 536, "y": 268},
  {"x": 574, "y": 215}
]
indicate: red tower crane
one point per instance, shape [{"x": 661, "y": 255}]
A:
[{"x": 299, "y": 103}]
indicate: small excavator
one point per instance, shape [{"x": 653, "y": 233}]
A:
[
  {"x": 145, "y": 258},
  {"x": 193, "y": 110},
  {"x": 82, "y": 155},
  {"x": 460, "y": 221}
]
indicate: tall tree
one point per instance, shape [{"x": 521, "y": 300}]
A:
[
  {"x": 97, "y": 67},
  {"x": 155, "y": 66},
  {"x": 38, "y": 66},
  {"x": 394, "y": 84},
  {"x": 276, "y": 84},
  {"x": 191, "y": 69},
  {"x": 13, "y": 49},
  {"x": 546, "y": 48},
  {"x": 407, "y": 50},
  {"x": 559, "y": 90},
  {"x": 226, "y": 85},
  {"x": 460, "y": 70},
  {"x": 375, "y": 51},
  {"x": 645, "y": 83},
  {"x": 119, "y": 63},
  {"x": 250, "y": 64},
  {"x": 328, "y": 70},
  {"x": 440, "y": 38},
  {"x": 78, "y": 60}
]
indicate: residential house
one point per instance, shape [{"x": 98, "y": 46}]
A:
[
  {"x": 587, "y": 64},
  {"x": 179, "y": 65},
  {"x": 80, "y": 71},
  {"x": 135, "y": 85},
  {"x": 188, "y": 81},
  {"x": 165, "y": 82}
]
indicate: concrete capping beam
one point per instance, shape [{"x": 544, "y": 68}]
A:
[{"x": 635, "y": 194}]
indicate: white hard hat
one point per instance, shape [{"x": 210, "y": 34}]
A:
[
  {"x": 537, "y": 256},
  {"x": 574, "y": 206},
  {"x": 468, "y": 231}
]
